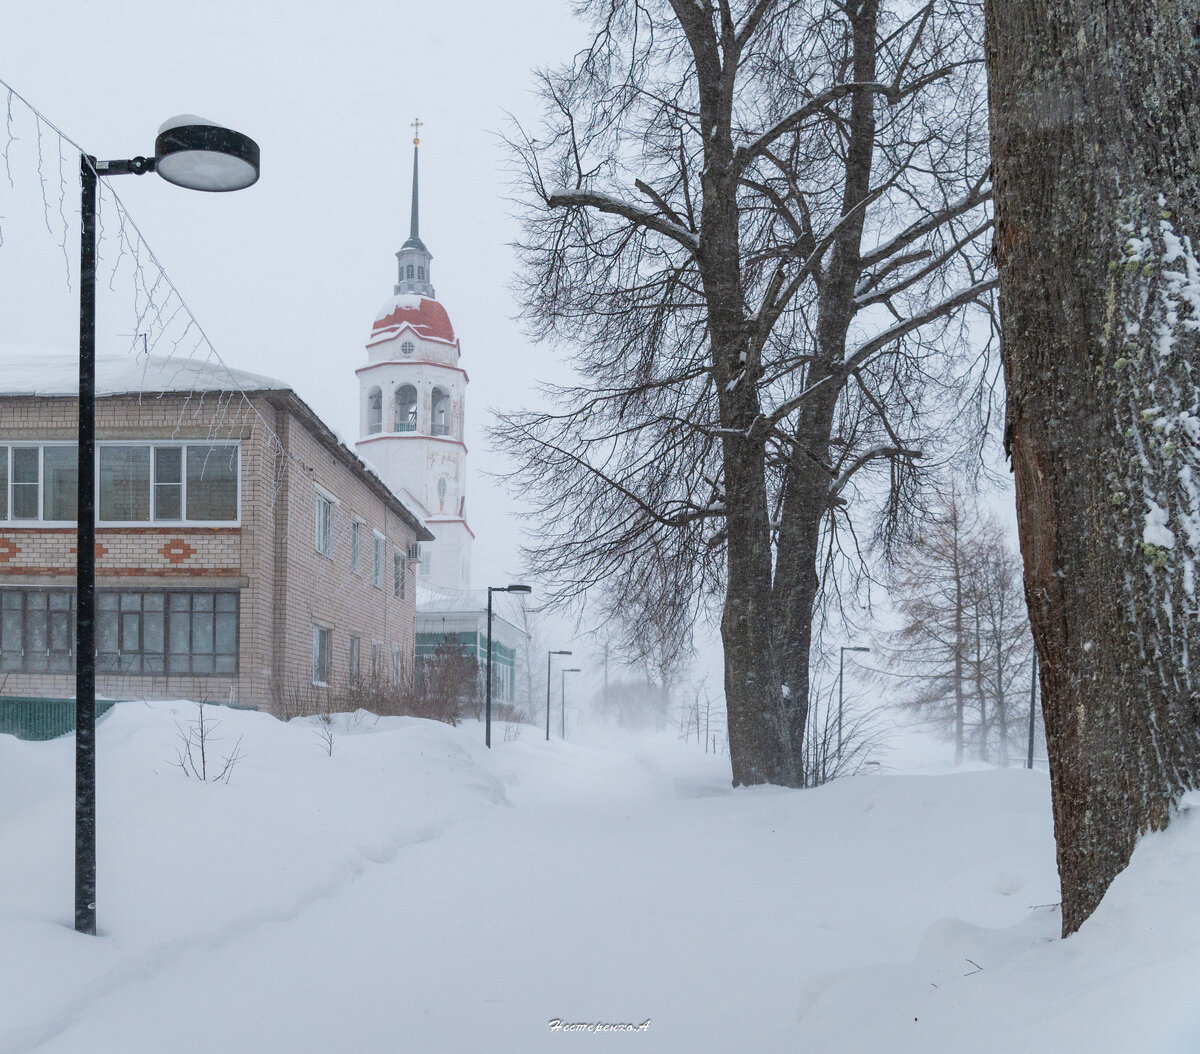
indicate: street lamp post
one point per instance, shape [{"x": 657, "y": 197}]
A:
[
  {"x": 487, "y": 733},
  {"x": 548, "y": 654},
  {"x": 199, "y": 155},
  {"x": 562, "y": 696},
  {"x": 1033, "y": 683},
  {"x": 841, "y": 676}
]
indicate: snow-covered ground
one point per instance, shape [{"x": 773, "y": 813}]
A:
[{"x": 414, "y": 892}]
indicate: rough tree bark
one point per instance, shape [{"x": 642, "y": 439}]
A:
[{"x": 1095, "y": 123}]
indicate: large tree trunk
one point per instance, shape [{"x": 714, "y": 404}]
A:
[{"x": 1095, "y": 113}]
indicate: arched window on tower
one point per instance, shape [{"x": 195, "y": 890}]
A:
[
  {"x": 410, "y": 272},
  {"x": 406, "y": 409},
  {"x": 421, "y": 274},
  {"x": 374, "y": 411},
  {"x": 440, "y": 412}
]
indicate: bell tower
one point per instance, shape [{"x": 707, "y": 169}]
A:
[{"x": 412, "y": 407}]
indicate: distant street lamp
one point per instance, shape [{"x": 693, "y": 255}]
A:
[
  {"x": 199, "y": 155},
  {"x": 548, "y": 654},
  {"x": 487, "y": 734},
  {"x": 841, "y": 677},
  {"x": 562, "y": 696}
]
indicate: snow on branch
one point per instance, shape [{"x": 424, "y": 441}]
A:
[
  {"x": 975, "y": 197},
  {"x": 867, "y": 456},
  {"x": 964, "y": 296},
  {"x": 594, "y": 199}
]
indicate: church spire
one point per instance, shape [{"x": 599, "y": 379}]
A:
[
  {"x": 413, "y": 258},
  {"x": 414, "y": 228}
]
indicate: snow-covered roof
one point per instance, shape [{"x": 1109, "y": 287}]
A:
[
  {"x": 426, "y": 316},
  {"x": 35, "y": 372}
]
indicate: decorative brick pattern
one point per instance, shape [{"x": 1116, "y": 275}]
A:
[
  {"x": 8, "y": 549},
  {"x": 177, "y": 551}
]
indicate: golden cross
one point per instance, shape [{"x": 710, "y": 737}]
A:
[{"x": 416, "y": 127}]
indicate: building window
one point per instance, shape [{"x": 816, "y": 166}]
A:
[
  {"x": 356, "y": 529},
  {"x": 407, "y": 347},
  {"x": 440, "y": 412},
  {"x": 376, "y": 661},
  {"x": 355, "y": 647},
  {"x": 395, "y": 665},
  {"x": 377, "y": 570},
  {"x": 441, "y": 488},
  {"x": 211, "y": 493},
  {"x": 406, "y": 408},
  {"x": 168, "y": 483},
  {"x": 409, "y": 273},
  {"x": 397, "y": 573},
  {"x": 421, "y": 274},
  {"x": 39, "y": 483},
  {"x": 137, "y": 632},
  {"x": 374, "y": 411},
  {"x": 37, "y": 630},
  {"x": 323, "y": 539},
  {"x": 194, "y": 482},
  {"x": 136, "y": 482},
  {"x": 321, "y": 637}
]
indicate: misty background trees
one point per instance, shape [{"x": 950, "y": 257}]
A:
[{"x": 961, "y": 655}]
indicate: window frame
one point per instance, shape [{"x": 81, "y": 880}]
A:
[
  {"x": 443, "y": 406},
  {"x": 354, "y": 657},
  {"x": 377, "y": 560},
  {"x": 356, "y": 531},
  {"x": 398, "y": 583},
  {"x": 374, "y": 425},
  {"x": 183, "y": 521},
  {"x": 322, "y": 635},
  {"x": 40, "y": 445},
  {"x": 109, "y": 662},
  {"x": 326, "y": 501}
]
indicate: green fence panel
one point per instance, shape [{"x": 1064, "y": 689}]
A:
[{"x": 30, "y": 717}]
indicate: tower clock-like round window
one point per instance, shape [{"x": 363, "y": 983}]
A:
[{"x": 407, "y": 347}]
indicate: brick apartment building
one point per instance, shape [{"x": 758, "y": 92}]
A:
[{"x": 243, "y": 553}]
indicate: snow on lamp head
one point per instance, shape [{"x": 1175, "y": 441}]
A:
[{"x": 196, "y": 153}]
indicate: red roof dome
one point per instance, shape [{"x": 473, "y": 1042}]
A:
[{"x": 425, "y": 315}]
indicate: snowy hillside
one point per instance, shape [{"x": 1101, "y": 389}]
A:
[{"x": 414, "y": 892}]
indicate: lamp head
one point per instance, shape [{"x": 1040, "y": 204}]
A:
[
  {"x": 200, "y": 155},
  {"x": 518, "y": 589}
]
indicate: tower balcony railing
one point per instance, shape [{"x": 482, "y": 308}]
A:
[
  {"x": 441, "y": 430},
  {"x": 406, "y": 426}
]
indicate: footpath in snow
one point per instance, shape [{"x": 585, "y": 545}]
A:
[{"x": 415, "y": 892}]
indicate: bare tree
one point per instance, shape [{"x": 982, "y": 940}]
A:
[
  {"x": 963, "y": 643},
  {"x": 757, "y": 224},
  {"x": 1095, "y": 121},
  {"x": 195, "y": 746},
  {"x": 449, "y": 684}
]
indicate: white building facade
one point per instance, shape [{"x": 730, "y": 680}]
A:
[
  {"x": 412, "y": 413},
  {"x": 412, "y": 403}
]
